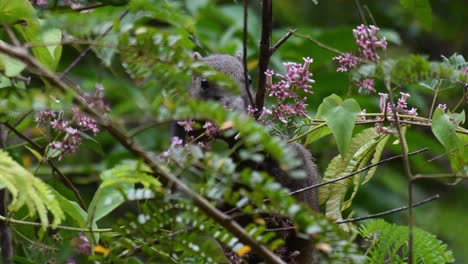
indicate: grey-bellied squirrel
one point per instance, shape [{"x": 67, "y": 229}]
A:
[{"x": 203, "y": 89}]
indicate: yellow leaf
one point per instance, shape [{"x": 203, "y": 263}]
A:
[
  {"x": 260, "y": 221},
  {"x": 226, "y": 125},
  {"x": 243, "y": 250},
  {"x": 102, "y": 250}
]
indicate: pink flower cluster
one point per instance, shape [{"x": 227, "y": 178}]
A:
[
  {"x": 366, "y": 39},
  {"x": 347, "y": 61},
  {"x": 66, "y": 133},
  {"x": 400, "y": 107},
  {"x": 297, "y": 78}
]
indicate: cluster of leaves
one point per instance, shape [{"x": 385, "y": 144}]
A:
[
  {"x": 388, "y": 244},
  {"x": 153, "y": 65}
]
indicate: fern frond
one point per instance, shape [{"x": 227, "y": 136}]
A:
[
  {"x": 27, "y": 190},
  {"x": 389, "y": 244}
]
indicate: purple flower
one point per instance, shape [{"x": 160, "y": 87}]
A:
[
  {"x": 347, "y": 61},
  {"x": 383, "y": 101},
  {"x": 42, "y": 2},
  {"x": 251, "y": 110},
  {"x": 176, "y": 142},
  {"x": 442, "y": 106},
  {"x": 211, "y": 129},
  {"x": 81, "y": 244},
  {"x": 367, "y": 41},
  {"x": 297, "y": 78},
  {"x": 366, "y": 86},
  {"x": 186, "y": 124}
]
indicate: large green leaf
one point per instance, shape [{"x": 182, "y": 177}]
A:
[
  {"x": 361, "y": 149},
  {"x": 49, "y": 54},
  {"x": 421, "y": 9},
  {"x": 443, "y": 127},
  {"x": 340, "y": 117},
  {"x": 117, "y": 183}
]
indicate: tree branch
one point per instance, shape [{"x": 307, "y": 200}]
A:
[
  {"x": 165, "y": 176},
  {"x": 244, "y": 54},
  {"x": 5, "y": 231},
  {"x": 282, "y": 40},
  {"x": 427, "y": 200},
  {"x": 265, "y": 54}
]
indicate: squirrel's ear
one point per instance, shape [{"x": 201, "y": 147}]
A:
[
  {"x": 238, "y": 55},
  {"x": 196, "y": 56}
]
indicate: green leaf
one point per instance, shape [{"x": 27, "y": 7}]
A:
[
  {"x": 389, "y": 244},
  {"x": 72, "y": 209},
  {"x": 49, "y": 55},
  {"x": 35, "y": 153},
  {"x": 340, "y": 117},
  {"x": 15, "y": 11},
  {"x": 443, "y": 127},
  {"x": 316, "y": 133},
  {"x": 117, "y": 182},
  {"x": 377, "y": 155},
  {"x": 421, "y": 9},
  {"x": 12, "y": 66},
  {"x": 361, "y": 149}
]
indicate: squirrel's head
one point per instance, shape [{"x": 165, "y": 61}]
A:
[{"x": 204, "y": 89}]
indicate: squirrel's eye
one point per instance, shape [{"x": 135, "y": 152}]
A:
[
  {"x": 205, "y": 84},
  {"x": 249, "y": 79}
]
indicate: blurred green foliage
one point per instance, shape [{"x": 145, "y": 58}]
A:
[{"x": 166, "y": 34}]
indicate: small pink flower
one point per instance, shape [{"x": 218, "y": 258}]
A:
[
  {"x": 42, "y": 2},
  {"x": 383, "y": 101},
  {"x": 186, "y": 124},
  {"x": 347, "y": 61},
  {"x": 442, "y": 106},
  {"x": 366, "y": 86},
  {"x": 211, "y": 129}
]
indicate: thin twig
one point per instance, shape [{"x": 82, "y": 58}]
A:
[
  {"x": 409, "y": 175},
  {"x": 89, "y": 7},
  {"x": 318, "y": 43},
  {"x": 436, "y": 92},
  {"x": 77, "y": 42},
  {"x": 244, "y": 54},
  {"x": 356, "y": 172},
  {"x": 282, "y": 40},
  {"x": 357, "y": 219},
  {"x": 425, "y": 201},
  {"x": 166, "y": 176},
  {"x": 369, "y": 13},
  {"x": 264, "y": 59},
  {"x": 438, "y": 157},
  {"x": 11, "y": 35},
  {"x": 84, "y": 52},
  {"x": 440, "y": 176},
  {"x": 70, "y": 228},
  {"x": 21, "y": 118},
  {"x": 361, "y": 13}
]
